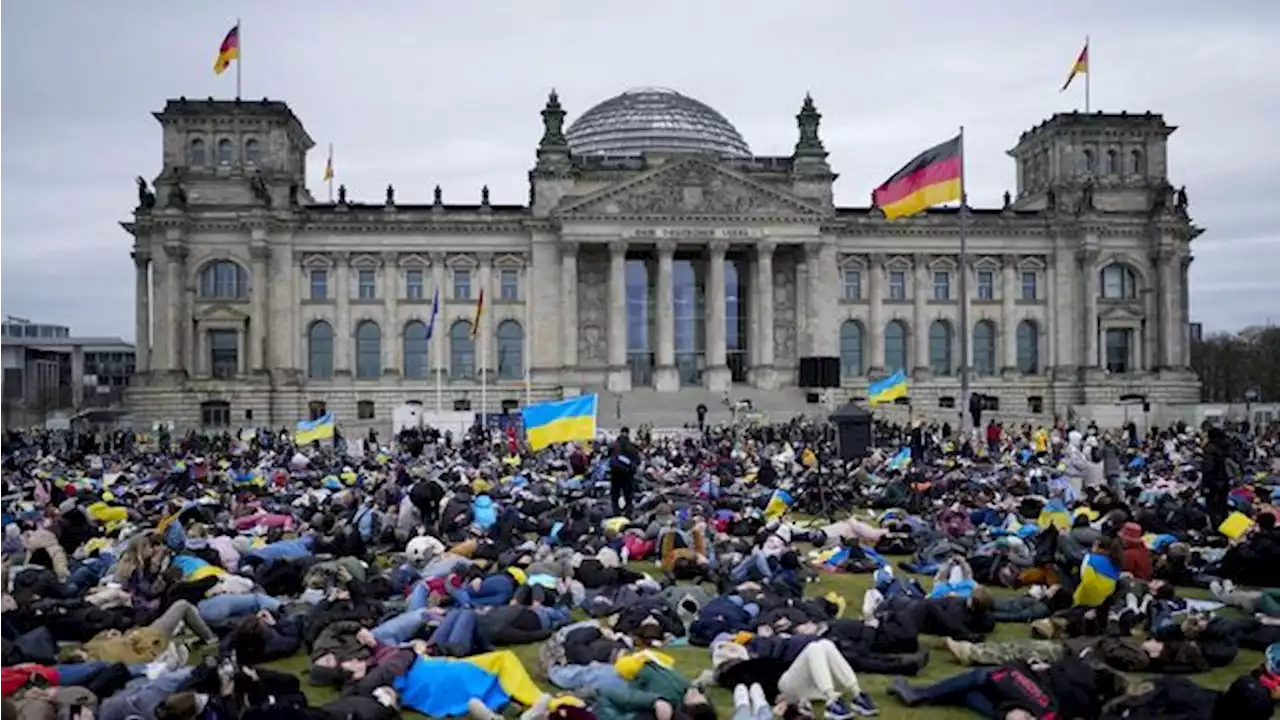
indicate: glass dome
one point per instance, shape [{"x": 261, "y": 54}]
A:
[{"x": 654, "y": 120}]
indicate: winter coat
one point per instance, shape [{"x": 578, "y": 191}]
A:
[
  {"x": 47, "y": 541},
  {"x": 653, "y": 683},
  {"x": 139, "y": 645}
]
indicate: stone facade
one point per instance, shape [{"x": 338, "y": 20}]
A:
[{"x": 256, "y": 303}]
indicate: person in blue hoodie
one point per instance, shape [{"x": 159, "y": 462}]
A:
[
  {"x": 484, "y": 512},
  {"x": 496, "y": 589}
]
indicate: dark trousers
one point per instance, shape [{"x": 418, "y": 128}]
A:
[
  {"x": 622, "y": 487},
  {"x": 963, "y": 690}
]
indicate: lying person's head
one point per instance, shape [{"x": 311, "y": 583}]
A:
[{"x": 979, "y": 603}]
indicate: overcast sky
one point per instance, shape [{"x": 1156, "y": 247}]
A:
[{"x": 419, "y": 92}]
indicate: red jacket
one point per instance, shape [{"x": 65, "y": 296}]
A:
[
  {"x": 13, "y": 679},
  {"x": 1136, "y": 559}
]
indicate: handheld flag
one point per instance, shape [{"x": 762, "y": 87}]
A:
[
  {"x": 1098, "y": 578},
  {"x": 228, "y": 51},
  {"x": 901, "y": 459},
  {"x": 931, "y": 178},
  {"x": 309, "y": 431},
  {"x": 435, "y": 311},
  {"x": 559, "y": 421},
  {"x": 888, "y": 389},
  {"x": 328, "y": 165},
  {"x": 475, "y": 322},
  {"x": 1081, "y": 66}
]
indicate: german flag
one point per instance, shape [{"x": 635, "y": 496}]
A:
[
  {"x": 931, "y": 178},
  {"x": 1081, "y": 66},
  {"x": 230, "y": 50},
  {"x": 475, "y": 323}
]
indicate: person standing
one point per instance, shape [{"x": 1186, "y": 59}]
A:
[
  {"x": 1214, "y": 477},
  {"x": 622, "y": 472}
]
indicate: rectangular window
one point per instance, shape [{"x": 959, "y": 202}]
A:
[
  {"x": 367, "y": 284},
  {"x": 1119, "y": 343},
  {"x": 897, "y": 285},
  {"x": 852, "y": 284},
  {"x": 509, "y": 285},
  {"x": 319, "y": 284},
  {"x": 1029, "y": 289},
  {"x": 461, "y": 284},
  {"x": 365, "y": 410},
  {"x": 986, "y": 285},
  {"x": 942, "y": 285},
  {"x": 224, "y": 353},
  {"x": 215, "y": 413},
  {"x": 413, "y": 285}
]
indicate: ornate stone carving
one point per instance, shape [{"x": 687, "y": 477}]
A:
[
  {"x": 695, "y": 189},
  {"x": 618, "y": 247},
  {"x": 260, "y": 252},
  {"x": 1009, "y": 260},
  {"x": 146, "y": 198},
  {"x": 766, "y": 247},
  {"x": 261, "y": 192},
  {"x": 140, "y": 258},
  {"x": 176, "y": 253},
  {"x": 568, "y": 249},
  {"x": 593, "y": 309},
  {"x": 667, "y": 247},
  {"x": 784, "y": 311},
  {"x": 718, "y": 247}
]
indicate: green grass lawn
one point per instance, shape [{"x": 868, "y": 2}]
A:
[{"x": 692, "y": 660}]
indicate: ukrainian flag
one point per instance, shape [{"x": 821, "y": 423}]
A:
[
  {"x": 779, "y": 503},
  {"x": 888, "y": 389},
  {"x": 309, "y": 431},
  {"x": 1055, "y": 513},
  {"x": 1098, "y": 578},
  {"x": 901, "y": 459},
  {"x": 561, "y": 421}
]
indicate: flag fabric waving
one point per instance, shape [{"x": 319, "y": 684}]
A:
[
  {"x": 435, "y": 311},
  {"x": 309, "y": 431},
  {"x": 888, "y": 389},
  {"x": 328, "y": 165},
  {"x": 475, "y": 322},
  {"x": 560, "y": 421},
  {"x": 229, "y": 50},
  {"x": 1081, "y": 66},
  {"x": 931, "y": 178}
]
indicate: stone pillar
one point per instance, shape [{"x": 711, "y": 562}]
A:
[
  {"x": 875, "y": 313},
  {"x": 242, "y": 360},
  {"x": 190, "y": 359},
  {"x": 1087, "y": 260},
  {"x": 178, "y": 316},
  {"x": 1008, "y": 314},
  {"x": 392, "y": 333},
  {"x": 1184, "y": 302},
  {"x": 1067, "y": 312},
  {"x": 440, "y": 332},
  {"x": 1169, "y": 269},
  {"x": 343, "y": 332},
  {"x": 484, "y": 333},
  {"x": 667, "y": 379},
  {"x": 765, "y": 376},
  {"x": 717, "y": 375},
  {"x": 920, "y": 317},
  {"x": 619, "y": 379},
  {"x": 569, "y": 306},
  {"x": 259, "y": 321},
  {"x": 823, "y": 268},
  {"x": 281, "y": 323},
  {"x": 77, "y": 376},
  {"x": 142, "y": 313}
]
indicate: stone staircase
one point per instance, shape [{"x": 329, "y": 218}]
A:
[{"x": 672, "y": 410}]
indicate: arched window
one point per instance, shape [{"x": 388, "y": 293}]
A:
[
  {"x": 1135, "y": 163},
  {"x": 196, "y": 156},
  {"x": 851, "y": 349},
  {"x": 368, "y": 350},
  {"x": 1113, "y": 162},
  {"x": 416, "y": 347},
  {"x": 462, "y": 351},
  {"x": 320, "y": 351},
  {"x": 226, "y": 152},
  {"x": 940, "y": 347},
  {"x": 510, "y": 350},
  {"x": 1089, "y": 161},
  {"x": 252, "y": 151},
  {"x": 224, "y": 280},
  {"x": 895, "y": 346},
  {"x": 1119, "y": 282},
  {"x": 1028, "y": 347},
  {"x": 984, "y": 347}
]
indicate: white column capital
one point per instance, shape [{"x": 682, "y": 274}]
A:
[
  {"x": 667, "y": 247},
  {"x": 618, "y": 248}
]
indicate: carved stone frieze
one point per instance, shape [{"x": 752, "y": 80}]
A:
[
  {"x": 784, "y": 310},
  {"x": 593, "y": 308},
  {"x": 693, "y": 188}
]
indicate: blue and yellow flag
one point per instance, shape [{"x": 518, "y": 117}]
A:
[
  {"x": 560, "y": 421},
  {"x": 1055, "y": 513},
  {"x": 901, "y": 459},
  {"x": 1098, "y": 578},
  {"x": 309, "y": 431},
  {"x": 888, "y": 389}
]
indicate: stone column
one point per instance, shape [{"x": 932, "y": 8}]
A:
[
  {"x": 667, "y": 379},
  {"x": 1008, "y": 314},
  {"x": 619, "y": 379},
  {"x": 484, "y": 333},
  {"x": 875, "y": 313},
  {"x": 1169, "y": 268},
  {"x": 823, "y": 267},
  {"x": 765, "y": 376},
  {"x": 440, "y": 332},
  {"x": 142, "y": 313},
  {"x": 242, "y": 361},
  {"x": 920, "y": 317},
  {"x": 392, "y": 333},
  {"x": 191, "y": 360},
  {"x": 281, "y": 323},
  {"x": 1049, "y": 360},
  {"x": 342, "y": 333},
  {"x": 1087, "y": 260},
  {"x": 178, "y": 316},
  {"x": 259, "y": 321},
  {"x": 1067, "y": 311},
  {"x": 569, "y": 306},
  {"x": 1184, "y": 303},
  {"x": 717, "y": 375}
]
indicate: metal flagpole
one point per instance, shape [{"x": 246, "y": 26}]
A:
[
  {"x": 239, "y": 55},
  {"x": 964, "y": 292},
  {"x": 484, "y": 368},
  {"x": 1088, "y": 72},
  {"x": 328, "y": 170},
  {"x": 528, "y": 378}
]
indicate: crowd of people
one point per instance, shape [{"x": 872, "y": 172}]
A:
[{"x": 163, "y": 578}]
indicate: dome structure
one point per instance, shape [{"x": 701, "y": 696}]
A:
[{"x": 654, "y": 120}]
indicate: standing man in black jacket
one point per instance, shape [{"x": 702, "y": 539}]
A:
[
  {"x": 622, "y": 472},
  {"x": 1215, "y": 480}
]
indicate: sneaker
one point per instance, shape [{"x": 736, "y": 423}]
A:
[
  {"x": 862, "y": 705},
  {"x": 1215, "y": 587},
  {"x": 539, "y": 709},
  {"x": 1131, "y": 602},
  {"x": 1036, "y": 591},
  {"x": 962, "y": 651},
  {"x": 901, "y": 689},
  {"x": 759, "y": 702},
  {"x": 871, "y": 600},
  {"x": 1228, "y": 586},
  {"x": 477, "y": 710},
  {"x": 741, "y": 697},
  {"x": 837, "y": 709}
]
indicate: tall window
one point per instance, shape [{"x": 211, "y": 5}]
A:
[
  {"x": 1119, "y": 346},
  {"x": 851, "y": 345},
  {"x": 895, "y": 346},
  {"x": 226, "y": 152},
  {"x": 1030, "y": 280},
  {"x": 320, "y": 351},
  {"x": 224, "y": 280},
  {"x": 224, "y": 355},
  {"x": 368, "y": 350},
  {"x": 736, "y": 318},
  {"x": 510, "y": 350},
  {"x": 984, "y": 347},
  {"x": 367, "y": 284},
  {"x": 897, "y": 285},
  {"x": 461, "y": 284},
  {"x": 252, "y": 151},
  {"x": 1028, "y": 347},
  {"x": 1135, "y": 163},
  {"x": 852, "y": 284},
  {"x": 197, "y": 155},
  {"x": 414, "y": 284},
  {"x": 462, "y": 351},
  {"x": 509, "y": 285},
  {"x": 940, "y": 347},
  {"x": 1089, "y": 161},
  {"x": 688, "y": 288},
  {"x": 942, "y": 285},
  {"x": 416, "y": 347},
  {"x": 319, "y": 284},
  {"x": 1113, "y": 162},
  {"x": 1118, "y": 282},
  {"x": 986, "y": 285},
  {"x": 215, "y": 413},
  {"x": 640, "y": 322}
]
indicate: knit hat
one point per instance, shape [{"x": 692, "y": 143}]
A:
[
  {"x": 1131, "y": 532},
  {"x": 518, "y": 574}
]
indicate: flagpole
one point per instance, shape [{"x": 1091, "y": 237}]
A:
[
  {"x": 528, "y": 379},
  {"x": 484, "y": 368},
  {"x": 964, "y": 292},
  {"x": 1088, "y": 72},
  {"x": 435, "y": 309},
  {"x": 239, "y": 55},
  {"x": 328, "y": 170}
]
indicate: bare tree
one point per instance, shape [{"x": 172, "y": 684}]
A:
[{"x": 1231, "y": 364}]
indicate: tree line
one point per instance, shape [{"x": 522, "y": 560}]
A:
[{"x": 1232, "y": 364}]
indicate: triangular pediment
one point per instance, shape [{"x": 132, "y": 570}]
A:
[
  {"x": 1121, "y": 311},
  {"x": 695, "y": 186},
  {"x": 221, "y": 313}
]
